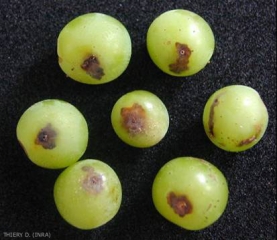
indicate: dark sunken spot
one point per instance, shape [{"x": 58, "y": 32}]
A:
[
  {"x": 180, "y": 204},
  {"x": 92, "y": 66},
  {"x": 182, "y": 61},
  {"x": 133, "y": 118},
  {"x": 93, "y": 182},
  {"x": 46, "y": 137}
]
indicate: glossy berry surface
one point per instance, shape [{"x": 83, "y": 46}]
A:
[
  {"x": 180, "y": 42},
  {"x": 235, "y": 118},
  {"x": 140, "y": 118},
  {"x": 88, "y": 194},
  {"x": 94, "y": 48},
  {"x": 53, "y": 133},
  {"x": 190, "y": 192}
]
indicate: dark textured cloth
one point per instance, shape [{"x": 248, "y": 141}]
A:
[{"x": 245, "y": 53}]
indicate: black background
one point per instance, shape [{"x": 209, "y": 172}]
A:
[{"x": 245, "y": 54}]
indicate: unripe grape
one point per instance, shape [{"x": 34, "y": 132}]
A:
[
  {"x": 88, "y": 194},
  {"x": 190, "y": 192},
  {"x": 140, "y": 119},
  {"x": 53, "y": 133},
  {"x": 235, "y": 118},
  {"x": 94, "y": 48},
  {"x": 180, "y": 42}
]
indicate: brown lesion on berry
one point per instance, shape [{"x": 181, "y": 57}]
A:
[
  {"x": 46, "y": 137},
  {"x": 180, "y": 204},
  {"x": 211, "y": 116},
  {"x": 252, "y": 138},
  {"x": 92, "y": 67},
  {"x": 93, "y": 181},
  {"x": 133, "y": 118},
  {"x": 247, "y": 141},
  {"x": 182, "y": 61}
]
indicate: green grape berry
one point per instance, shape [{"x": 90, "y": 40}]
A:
[
  {"x": 53, "y": 133},
  {"x": 190, "y": 192},
  {"x": 94, "y": 48},
  {"x": 180, "y": 42},
  {"x": 88, "y": 194},
  {"x": 140, "y": 119},
  {"x": 235, "y": 118}
]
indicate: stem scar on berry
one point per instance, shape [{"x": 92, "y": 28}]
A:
[
  {"x": 92, "y": 67},
  {"x": 93, "y": 182},
  {"x": 46, "y": 137},
  {"x": 180, "y": 204},
  {"x": 182, "y": 61},
  {"x": 133, "y": 118}
]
